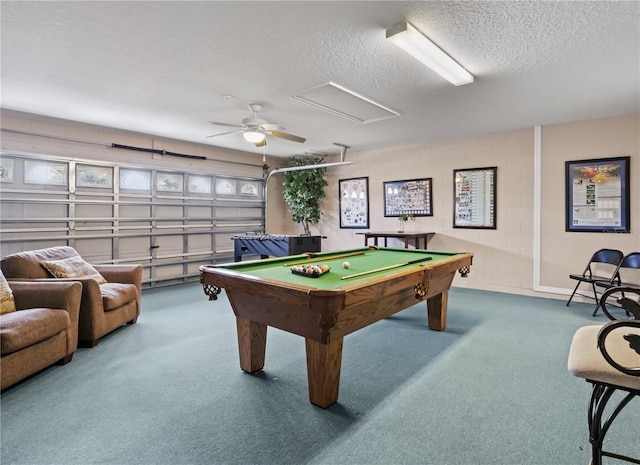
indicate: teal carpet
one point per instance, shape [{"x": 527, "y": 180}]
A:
[{"x": 491, "y": 389}]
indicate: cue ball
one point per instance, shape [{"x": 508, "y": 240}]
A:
[{"x": 346, "y": 265}]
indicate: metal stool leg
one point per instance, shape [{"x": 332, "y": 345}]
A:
[{"x": 600, "y": 396}]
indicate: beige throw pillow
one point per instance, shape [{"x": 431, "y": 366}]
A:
[
  {"x": 7, "y": 303},
  {"x": 72, "y": 267}
]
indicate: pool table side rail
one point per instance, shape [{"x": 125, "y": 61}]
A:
[{"x": 327, "y": 315}]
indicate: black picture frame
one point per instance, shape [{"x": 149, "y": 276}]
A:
[
  {"x": 354, "y": 203},
  {"x": 475, "y": 198},
  {"x": 408, "y": 196},
  {"x": 597, "y": 195}
]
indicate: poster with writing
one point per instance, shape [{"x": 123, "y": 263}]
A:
[
  {"x": 597, "y": 194},
  {"x": 475, "y": 198}
]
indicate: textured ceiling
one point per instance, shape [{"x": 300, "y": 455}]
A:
[{"x": 165, "y": 68}]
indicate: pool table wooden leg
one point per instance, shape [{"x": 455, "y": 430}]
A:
[
  {"x": 437, "y": 311},
  {"x": 323, "y": 371},
  {"x": 252, "y": 343}
]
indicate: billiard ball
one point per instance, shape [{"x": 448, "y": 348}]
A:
[{"x": 346, "y": 265}]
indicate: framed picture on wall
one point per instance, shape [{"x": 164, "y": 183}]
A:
[
  {"x": 409, "y": 197},
  {"x": 354, "y": 203},
  {"x": 474, "y": 198},
  {"x": 597, "y": 195}
]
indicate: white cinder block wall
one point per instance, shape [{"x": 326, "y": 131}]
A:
[{"x": 504, "y": 258}]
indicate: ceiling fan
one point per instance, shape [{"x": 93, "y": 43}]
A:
[{"x": 256, "y": 130}]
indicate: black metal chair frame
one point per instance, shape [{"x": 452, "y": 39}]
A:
[
  {"x": 600, "y": 396},
  {"x": 606, "y": 256},
  {"x": 630, "y": 261},
  {"x": 601, "y": 392}
]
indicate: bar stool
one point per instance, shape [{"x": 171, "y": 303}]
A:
[{"x": 608, "y": 357}]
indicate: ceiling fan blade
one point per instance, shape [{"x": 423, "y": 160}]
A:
[
  {"x": 225, "y": 133},
  {"x": 284, "y": 135},
  {"x": 271, "y": 127},
  {"x": 226, "y": 124}
]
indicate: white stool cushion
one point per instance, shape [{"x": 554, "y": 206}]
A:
[{"x": 586, "y": 360}]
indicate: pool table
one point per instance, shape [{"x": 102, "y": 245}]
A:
[{"x": 378, "y": 283}]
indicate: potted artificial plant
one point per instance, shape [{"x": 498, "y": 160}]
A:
[
  {"x": 404, "y": 217},
  {"x": 304, "y": 190}
]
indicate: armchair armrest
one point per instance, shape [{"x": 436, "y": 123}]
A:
[
  {"x": 48, "y": 294},
  {"x": 37, "y": 280},
  {"x": 90, "y": 288}
]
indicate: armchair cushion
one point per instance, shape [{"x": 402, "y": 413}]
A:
[
  {"x": 28, "y": 327},
  {"x": 7, "y": 302},
  {"x": 72, "y": 267},
  {"x": 115, "y": 295}
]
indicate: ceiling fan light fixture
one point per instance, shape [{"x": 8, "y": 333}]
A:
[
  {"x": 419, "y": 46},
  {"x": 253, "y": 136}
]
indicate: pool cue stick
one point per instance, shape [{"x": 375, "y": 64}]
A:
[
  {"x": 384, "y": 268},
  {"x": 312, "y": 259}
]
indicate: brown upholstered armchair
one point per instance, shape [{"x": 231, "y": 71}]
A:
[
  {"x": 105, "y": 306},
  {"x": 42, "y": 330}
]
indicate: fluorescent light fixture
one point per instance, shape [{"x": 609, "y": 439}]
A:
[
  {"x": 416, "y": 44},
  {"x": 253, "y": 136}
]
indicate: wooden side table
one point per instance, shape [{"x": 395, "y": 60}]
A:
[{"x": 406, "y": 237}]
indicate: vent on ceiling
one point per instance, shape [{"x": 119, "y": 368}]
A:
[{"x": 343, "y": 102}]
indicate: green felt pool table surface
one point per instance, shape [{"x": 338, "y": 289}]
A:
[{"x": 279, "y": 269}]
